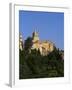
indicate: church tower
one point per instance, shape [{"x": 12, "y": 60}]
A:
[
  {"x": 21, "y": 44},
  {"x": 35, "y": 37}
]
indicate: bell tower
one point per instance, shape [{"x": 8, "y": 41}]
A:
[
  {"x": 35, "y": 37},
  {"x": 21, "y": 44}
]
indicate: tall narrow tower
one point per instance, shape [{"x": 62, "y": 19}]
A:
[
  {"x": 21, "y": 44},
  {"x": 35, "y": 37}
]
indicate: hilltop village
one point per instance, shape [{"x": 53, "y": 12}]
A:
[{"x": 39, "y": 58}]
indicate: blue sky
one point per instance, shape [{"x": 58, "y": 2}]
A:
[{"x": 49, "y": 25}]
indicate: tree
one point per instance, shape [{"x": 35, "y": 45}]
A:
[
  {"x": 34, "y": 65},
  {"x": 28, "y": 43}
]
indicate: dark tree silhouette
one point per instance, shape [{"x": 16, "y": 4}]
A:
[
  {"x": 28, "y": 43},
  {"x": 34, "y": 65}
]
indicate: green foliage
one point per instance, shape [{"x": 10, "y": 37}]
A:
[
  {"x": 28, "y": 43},
  {"x": 34, "y": 65}
]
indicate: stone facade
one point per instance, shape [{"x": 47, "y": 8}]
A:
[{"x": 43, "y": 46}]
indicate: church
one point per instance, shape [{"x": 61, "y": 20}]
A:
[{"x": 44, "y": 46}]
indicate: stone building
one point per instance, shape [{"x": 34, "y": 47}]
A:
[{"x": 44, "y": 47}]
